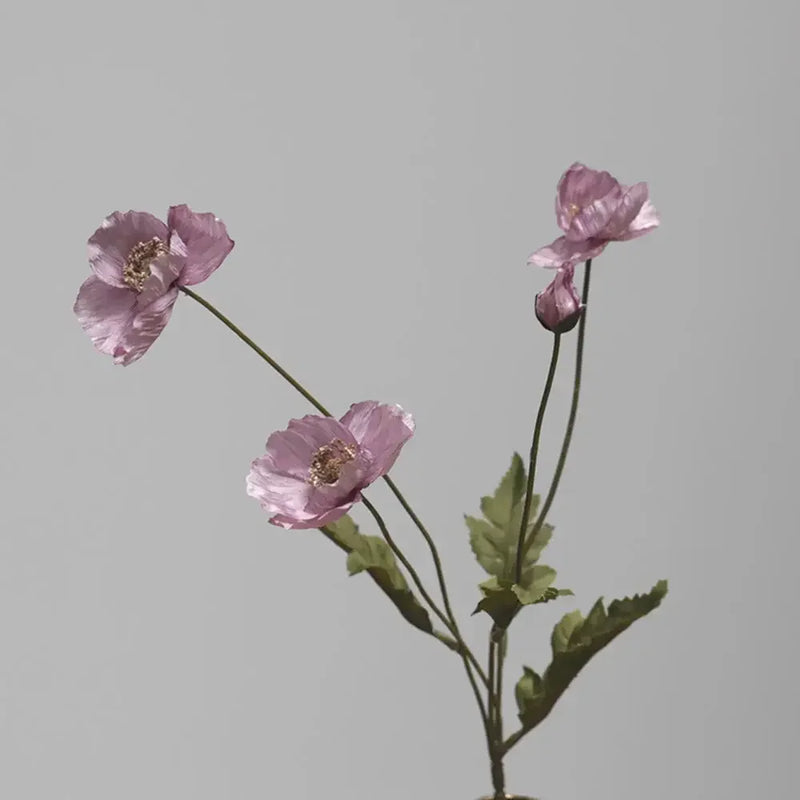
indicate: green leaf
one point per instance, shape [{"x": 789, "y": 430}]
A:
[
  {"x": 494, "y": 538},
  {"x": 551, "y": 593},
  {"x": 528, "y": 687},
  {"x": 499, "y": 601},
  {"x": 499, "y": 508},
  {"x": 534, "y": 583},
  {"x": 564, "y": 629},
  {"x": 503, "y": 599},
  {"x": 373, "y": 555},
  {"x": 574, "y": 641},
  {"x": 343, "y": 532}
]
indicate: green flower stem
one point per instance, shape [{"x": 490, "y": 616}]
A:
[
  {"x": 451, "y": 643},
  {"x": 248, "y": 341},
  {"x": 463, "y": 650},
  {"x": 436, "y": 561},
  {"x": 513, "y": 739},
  {"x": 501, "y": 655},
  {"x": 490, "y": 695},
  {"x": 497, "y": 645},
  {"x": 537, "y": 432},
  {"x": 465, "y": 654},
  {"x": 495, "y": 724},
  {"x": 452, "y": 624},
  {"x": 573, "y": 411}
]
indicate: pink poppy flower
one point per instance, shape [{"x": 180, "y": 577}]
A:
[
  {"x": 314, "y": 471},
  {"x": 558, "y": 307},
  {"x": 593, "y": 209},
  {"x": 139, "y": 263}
]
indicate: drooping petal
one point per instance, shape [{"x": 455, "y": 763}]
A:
[
  {"x": 110, "y": 245},
  {"x": 645, "y": 221},
  {"x": 199, "y": 240},
  {"x": 562, "y": 252},
  {"x": 296, "y": 523},
  {"x": 629, "y": 205},
  {"x": 578, "y": 188},
  {"x": 144, "y": 328},
  {"x": 380, "y": 429},
  {"x": 104, "y": 312},
  {"x": 277, "y": 493},
  {"x": 558, "y": 307}
]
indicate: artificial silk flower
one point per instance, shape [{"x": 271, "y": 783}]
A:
[
  {"x": 593, "y": 209},
  {"x": 558, "y": 307},
  {"x": 313, "y": 472},
  {"x": 139, "y": 262}
]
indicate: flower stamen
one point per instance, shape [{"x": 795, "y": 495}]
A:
[
  {"x": 327, "y": 462},
  {"x": 137, "y": 266}
]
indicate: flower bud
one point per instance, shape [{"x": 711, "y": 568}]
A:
[{"x": 559, "y": 307}]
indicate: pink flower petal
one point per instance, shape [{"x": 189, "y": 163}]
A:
[
  {"x": 646, "y": 220},
  {"x": 629, "y": 206},
  {"x": 199, "y": 241},
  {"x": 295, "y": 490},
  {"x": 380, "y": 429},
  {"x": 112, "y": 242},
  {"x": 352, "y": 479},
  {"x": 164, "y": 272},
  {"x": 592, "y": 219},
  {"x": 578, "y": 188},
  {"x": 280, "y": 479},
  {"x": 104, "y": 312},
  {"x": 293, "y": 523},
  {"x": 144, "y": 328},
  {"x": 276, "y": 492},
  {"x": 290, "y": 452},
  {"x": 563, "y": 252}
]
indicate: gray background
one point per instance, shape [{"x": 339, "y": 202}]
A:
[{"x": 386, "y": 168}]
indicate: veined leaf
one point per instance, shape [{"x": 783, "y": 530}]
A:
[
  {"x": 574, "y": 641},
  {"x": 502, "y": 599},
  {"x": 494, "y": 538},
  {"x": 373, "y": 555}
]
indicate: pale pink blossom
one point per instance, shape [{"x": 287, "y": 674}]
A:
[
  {"x": 593, "y": 209},
  {"x": 558, "y": 306},
  {"x": 138, "y": 263},
  {"x": 313, "y": 472}
]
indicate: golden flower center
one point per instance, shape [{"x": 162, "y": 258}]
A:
[
  {"x": 327, "y": 463},
  {"x": 137, "y": 266},
  {"x": 573, "y": 209}
]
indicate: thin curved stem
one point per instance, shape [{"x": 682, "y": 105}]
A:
[
  {"x": 452, "y": 625},
  {"x": 465, "y": 655},
  {"x": 465, "y": 652},
  {"x": 537, "y": 432},
  {"x": 477, "y": 692},
  {"x": 434, "y": 554},
  {"x": 326, "y": 531},
  {"x": 250, "y": 343},
  {"x": 573, "y": 412}
]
